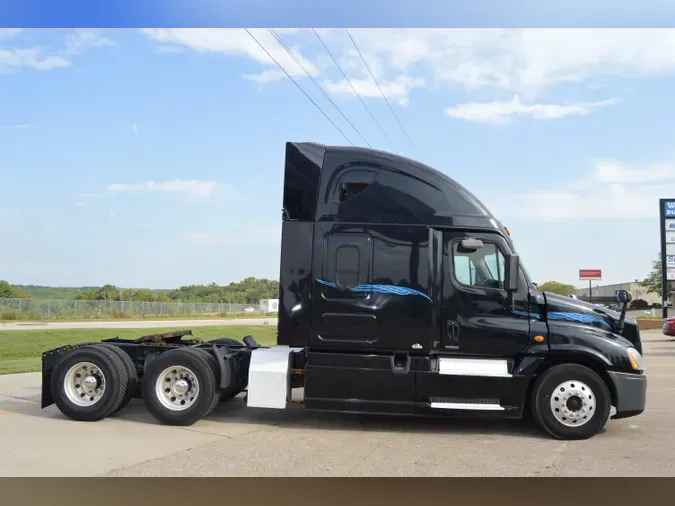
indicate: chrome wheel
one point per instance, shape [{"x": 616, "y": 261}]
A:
[
  {"x": 573, "y": 403},
  {"x": 84, "y": 384},
  {"x": 177, "y": 388}
]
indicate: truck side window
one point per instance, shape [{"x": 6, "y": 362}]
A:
[
  {"x": 352, "y": 183},
  {"x": 482, "y": 268}
]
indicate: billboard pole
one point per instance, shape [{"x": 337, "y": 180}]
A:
[
  {"x": 590, "y": 291},
  {"x": 667, "y": 223},
  {"x": 664, "y": 267}
]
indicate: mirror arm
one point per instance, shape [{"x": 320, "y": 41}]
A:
[{"x": 624, "y": 297}]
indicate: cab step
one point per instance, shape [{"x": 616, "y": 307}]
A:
[{"x": 456, "y": 403}]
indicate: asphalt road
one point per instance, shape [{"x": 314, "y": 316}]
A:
[
  {"x": 238, "y": 441},
  {"x": 141, "y": 324}
]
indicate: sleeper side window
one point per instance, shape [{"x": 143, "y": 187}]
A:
[
  {"x": 352, "y": 183},
  {"x": 482, "y": 268}
]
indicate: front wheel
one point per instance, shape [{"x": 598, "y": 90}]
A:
[{"x": 571, "y": 401}]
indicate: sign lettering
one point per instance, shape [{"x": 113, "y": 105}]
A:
[
  {"x": 669, "y": 208},
  {"x": 590, "y": 274},
  {"x": 670, "y": 274}
]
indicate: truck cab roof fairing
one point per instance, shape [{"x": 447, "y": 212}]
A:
[
  {"x": 302, "y": 173},
  {"x": 398, "y": 190}
]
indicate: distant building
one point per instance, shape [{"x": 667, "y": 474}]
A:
[
  {"x": 269, "y": 306},
  {"x": 607, "y": 294}
]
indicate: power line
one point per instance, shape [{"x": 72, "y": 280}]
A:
[
  {"x": 299, "y": 87},
  {"x": 383, "y": 96},
  {"x": 276, "y": 36},
  {"x": 353, "y": 89}
]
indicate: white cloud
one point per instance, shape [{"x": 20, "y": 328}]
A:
[
  {"x": 81, "y": 40},
  {"x": 521, "y": 62},
  {"x": 614, "y": 172},
  {"x": 14, "y": 59},
  {"x": 52, "y": 62},
  {"x": 503, "y": 112},
  {"x": 266, "y": 76},
  {"x": 611, "y": 191},
  {"x": 195, "y": 188},
  {"x": 397, "y": 89},
  {"x": 238, "y": 42}
]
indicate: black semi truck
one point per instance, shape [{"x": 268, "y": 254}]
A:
[{"x": 400, "y": 294}]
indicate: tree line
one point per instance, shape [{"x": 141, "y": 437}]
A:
[{"x": 248, "y": 291}]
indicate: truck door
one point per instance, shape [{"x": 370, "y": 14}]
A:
[{"x": 475, "y": 316}]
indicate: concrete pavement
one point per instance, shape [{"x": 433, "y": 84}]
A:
[
  {"x": 238, "y": 441},
  {"x": 139, "y": 324}
]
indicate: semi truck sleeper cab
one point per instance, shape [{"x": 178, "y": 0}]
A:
[{"x": 400, "y": 294}]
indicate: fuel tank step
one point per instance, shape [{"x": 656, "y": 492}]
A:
[{"x": 465, "y": 404}]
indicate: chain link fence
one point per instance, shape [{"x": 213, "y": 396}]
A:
[{"x": 59, "y": 309}]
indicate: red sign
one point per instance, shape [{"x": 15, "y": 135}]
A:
[{"x": 590, "y": 274}]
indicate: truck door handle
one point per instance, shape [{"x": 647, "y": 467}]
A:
[{"x": 453, "y": 330}]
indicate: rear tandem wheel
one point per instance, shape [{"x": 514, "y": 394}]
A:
[
  {"x": 180, "y": 386},
  {"x": 89, "y": 383}
]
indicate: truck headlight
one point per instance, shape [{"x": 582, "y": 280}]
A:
[{"x": 636, "y": 360}]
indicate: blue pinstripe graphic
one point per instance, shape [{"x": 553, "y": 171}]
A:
[
  {"x": 570, "y": 317},
  {"x": 391, "y": 289},
  {"x": 525, "y": 313},
  {"x": 577, "y": 317}
]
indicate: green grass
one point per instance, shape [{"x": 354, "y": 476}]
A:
[{"x": 21, "y": 350}]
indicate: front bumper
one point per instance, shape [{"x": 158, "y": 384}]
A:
[{"x": 631, "y": 393}]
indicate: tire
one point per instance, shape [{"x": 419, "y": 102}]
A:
[
  {"x": 571, "y": 402},
  {"x": 213, "y": 362},
  {"x": 179, "y": 407},
  {"x": 132, "y": 374},
  {"x": 70, "y": 392}
]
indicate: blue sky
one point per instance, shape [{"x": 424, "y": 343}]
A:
[{"x": 154, "y": 158}]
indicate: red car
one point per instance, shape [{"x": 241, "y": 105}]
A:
[{"x": 669, "y": 326}]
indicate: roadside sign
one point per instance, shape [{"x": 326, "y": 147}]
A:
[
  {"x": 590, "y": 274},
  {"x": 667, "y": 226}
]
